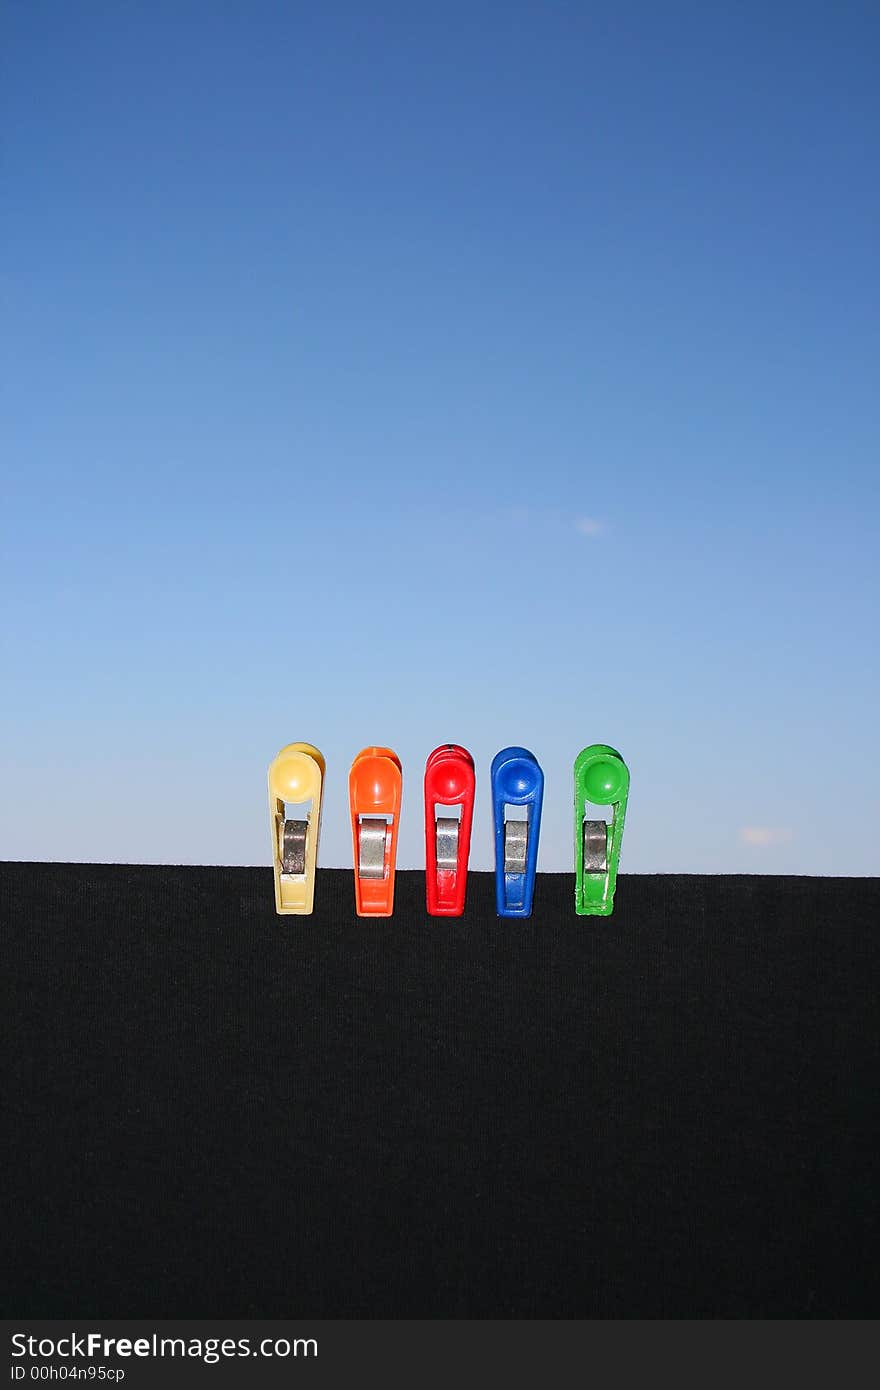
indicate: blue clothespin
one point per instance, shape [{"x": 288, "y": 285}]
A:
[{"x": 517, "y": 786}]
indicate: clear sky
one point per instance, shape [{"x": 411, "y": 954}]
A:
[{"x": 408, "y": 373}]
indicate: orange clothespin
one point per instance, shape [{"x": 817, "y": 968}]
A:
[{"x": 375, "y": 785}]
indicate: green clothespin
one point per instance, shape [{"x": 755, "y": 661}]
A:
[{"x": 601, "y": 777}]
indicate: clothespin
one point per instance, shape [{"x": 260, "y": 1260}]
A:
[
  {"x": 375, "y": 784},
  {"x": 296, "y": 777},
  {"x": 517, "y": 793},
  {"x": 601, "y": 778},
  {"x": 449, "y": 785}
]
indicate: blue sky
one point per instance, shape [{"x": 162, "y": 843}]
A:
[{"x": 488, "y": 373}]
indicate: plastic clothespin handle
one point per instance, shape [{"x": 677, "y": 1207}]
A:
[
  {"x": 601, "y": 778},
  {"x": 296, "y": 776},
  {"x": 450, "y": 780},
  {"x": 375, "y": 789},
  {"x": 517, "y": 780}
]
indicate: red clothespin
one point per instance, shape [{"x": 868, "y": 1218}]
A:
[
  {"x": 449, "y": 788},
  {"x": 375, "y": 784}
]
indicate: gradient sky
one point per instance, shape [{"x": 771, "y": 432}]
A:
[{"x": 403, "y": 373}]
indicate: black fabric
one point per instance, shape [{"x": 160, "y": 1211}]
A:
[{"x": 216, "y": 1111}]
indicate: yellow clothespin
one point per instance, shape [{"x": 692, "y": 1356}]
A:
[{"x": 295, "y": 777}]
